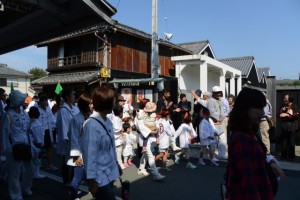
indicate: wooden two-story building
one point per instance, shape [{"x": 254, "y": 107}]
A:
[{"x": 107, "y": 53}]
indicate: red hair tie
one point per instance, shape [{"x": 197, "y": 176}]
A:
[{"x": 186, "y": 115}]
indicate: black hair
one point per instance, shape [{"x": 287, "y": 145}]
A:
[
  {"x": 126, "y": 126},
  {"x": 83, "y": 103},
  {"x": 182, "y": 96},
  {"x": 247, "y": 98},
  {"x": 34, "y": 112},
  {"x": 118, "y": 110}
]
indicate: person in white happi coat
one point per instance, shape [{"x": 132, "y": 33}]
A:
[
  {"x": 147, "y": 155},
  {"x": 46, "y": 118},
  {"x": 74, "y": 156},
  {"x": 117, "y": 126},
  {"x": 128, "y": 139},
  {"x": 98, "y": 147},
  {"x": 64, "y": 116},
  {"x": 186, "y": 133},
  {"x": 165, "y": 133},
  {"x": 15, "y": 127}
]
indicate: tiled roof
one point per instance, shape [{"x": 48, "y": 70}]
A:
[
  {"x": 261, "y": 71},
  {"x": 5, "y": 70},
  {"x": 195, "y": 47},
  {"x": 103, "y": 27},
  {"x": 75, "y": 77},
  {"x": 243, "y": 64}
]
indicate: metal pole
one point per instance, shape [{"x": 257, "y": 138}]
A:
[{"x": 154, "y": 47}]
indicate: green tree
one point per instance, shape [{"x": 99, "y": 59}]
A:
[{"x": 37, "y": 73}]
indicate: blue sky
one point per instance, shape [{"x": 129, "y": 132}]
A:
[{"x": 269, "y": 30}]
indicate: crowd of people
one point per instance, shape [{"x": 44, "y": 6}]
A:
[{"x": 96, "y": 137}]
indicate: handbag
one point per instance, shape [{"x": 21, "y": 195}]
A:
[{"x": 22, "y": 151}]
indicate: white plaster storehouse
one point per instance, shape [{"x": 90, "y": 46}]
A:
[{"x": 203, "y": 71}]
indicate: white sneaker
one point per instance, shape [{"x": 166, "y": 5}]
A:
[
  {"x": 122, "y": 166},
  {"x": 190, "y": 166},
  {"x": 39, "y": 176},
  {"x": 215, "y": 159},
  {"x": 177, "y": 158},
  {"x": 201, "y": 162},
  {"x": 143, "y": 172},
  {"x": 214, "y": 163},
  {"x": 158, "y": 177},
  {"x": 176, "y": 148}
]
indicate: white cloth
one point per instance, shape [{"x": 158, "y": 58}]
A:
[
  {"x": 207, "y": 129},
  {"x": 165, "y": 132},
  {"x": 32, "y": 103},
  {"x": 98, "y": 150},
  {"x": 117, "y": 126},
  {"x": 64, "y": 116},
  {"x": 74, "y": 133},
  {"x": 185, "y": 132},
  {"x": 145, "y": 132},
  {"x": 202, "y": 102},
  {"x": 127, "y": 146},
  {"x": 127, "y": 110}
]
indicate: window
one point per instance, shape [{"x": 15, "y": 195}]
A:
[
  {"x": 3, "y": 82},
  {"x": 14, "y": 81}
]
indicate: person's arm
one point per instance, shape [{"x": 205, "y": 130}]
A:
[
  {"x": 61, "y": 122},
  {"x": 74, "y": 133},
  {"x": 195, "y": 95},
  {"x": 179, "y": 130},
  {"x": 275, "y": 166},
  {"x": 90, "y": 148}
]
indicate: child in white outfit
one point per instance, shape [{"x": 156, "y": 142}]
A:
[
  {"x": 208, "y": 133},
  {"x": 128, "y": 138},
  {"x": 186, "y": 133},
  {"x": 165, "y": 132}
]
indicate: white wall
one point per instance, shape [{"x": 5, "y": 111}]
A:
[
  {"x": 213, "y": 79},
  {"x": 23, "y": 85}
]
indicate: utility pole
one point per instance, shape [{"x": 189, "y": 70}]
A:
[{"x": 155, "y": 68}]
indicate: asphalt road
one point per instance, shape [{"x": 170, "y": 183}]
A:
[{"x": 180, "y": 184}]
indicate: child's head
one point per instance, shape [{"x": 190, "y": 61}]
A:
[
  {"x": 187, "y": 118},
  {"x": 205, "y": 113},
  {"x": 118, "y": 111},
  {"x": 34, "y": 112},
  {"x": 143, "y": 103},
  {"x": 128, "y": 120},
  {"x": 150, "y": 107},
  {"x": 126, "y": 127},
  {"x": 164, "y": 113}
]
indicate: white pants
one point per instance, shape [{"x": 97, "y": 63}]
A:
[
  {"x": 119, "y": 151},
  {"x": 222, "y": 145},
  {"x": 19, "y": 176},
  {"x": 151, "y": 160}
]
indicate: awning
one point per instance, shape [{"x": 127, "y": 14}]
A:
[
  {"x": 144, "y": 80},
  {"x": 136, "y": 82},
  {"x": 75, "y": 77}
]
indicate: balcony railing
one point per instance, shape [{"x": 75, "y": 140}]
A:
[{"x": 86, "y": 57}]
